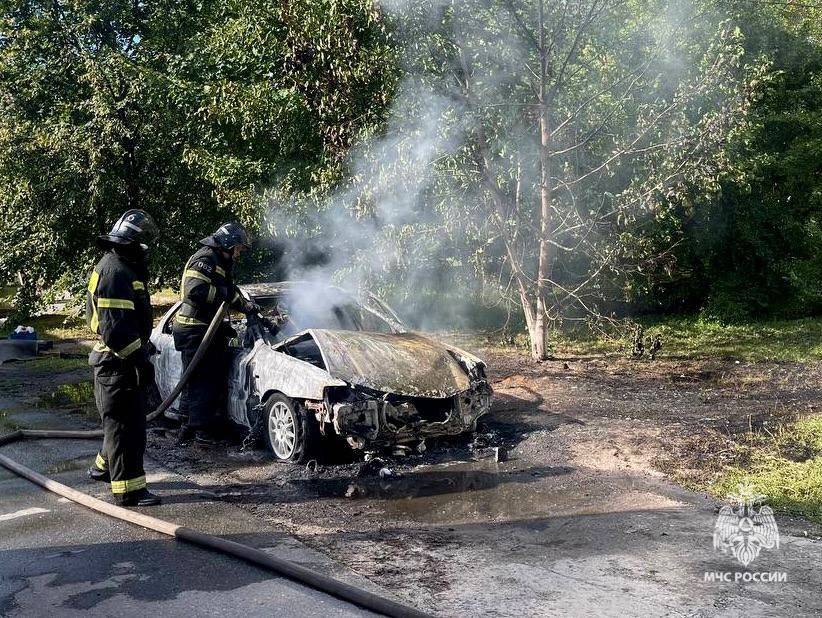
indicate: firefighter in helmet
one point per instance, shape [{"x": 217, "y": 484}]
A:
[
  {"x": 207, "y": 282},
  {"x": 118, "y": 310}
]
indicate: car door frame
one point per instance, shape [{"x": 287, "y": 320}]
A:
[{"x": 237, "y": 379}]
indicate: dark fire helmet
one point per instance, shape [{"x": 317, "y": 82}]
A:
[
  {"x": 135, "y": 227},
  {"x": 228, "y": 236}
]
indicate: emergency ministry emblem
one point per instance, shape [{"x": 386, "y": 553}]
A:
[{"x": 742, "y": 529}]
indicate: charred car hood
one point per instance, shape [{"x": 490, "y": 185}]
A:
[{"x": 404, "y": 364}]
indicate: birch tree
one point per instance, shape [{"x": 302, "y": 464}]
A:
[{"x": 578, "y": 119}]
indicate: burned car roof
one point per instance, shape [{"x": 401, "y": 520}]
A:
[{"x": 278, "y": 288}]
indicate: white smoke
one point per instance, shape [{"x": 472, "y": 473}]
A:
[
  {"x": 372, "y": 228},
  {"x": 384, "y": 229}
]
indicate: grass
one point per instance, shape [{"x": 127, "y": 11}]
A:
[
  {"x": 10, "y": 386},
  {"x": 787, "y": 468},
  {"x": 6, "y": 294},
  {"x": 55, "y": 364},
  {"x": 777, "y": 340},
  {"x": 694, "y": 337},
  {"x": 79, "y": 395},
  {"x": 162, "y": 300},
  {"x": 7, "y": 425}
]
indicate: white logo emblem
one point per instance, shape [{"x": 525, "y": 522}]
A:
[{"x": 744, "y": 530}]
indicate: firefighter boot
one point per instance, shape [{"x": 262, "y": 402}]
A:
[
  {"x": 96, "y": 474},
  {"x": 140, "y": 497},
  {"x": 98, "y": 471}
]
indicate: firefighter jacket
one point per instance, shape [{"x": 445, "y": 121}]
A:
[
  {"x": 206, "y": 283},
  {"x": 118, "y": 309}
]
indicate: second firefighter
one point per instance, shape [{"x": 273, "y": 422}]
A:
[{"x": 207, "y": 282}]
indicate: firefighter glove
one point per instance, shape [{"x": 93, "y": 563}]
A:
[{"x": 251, "y": 307}]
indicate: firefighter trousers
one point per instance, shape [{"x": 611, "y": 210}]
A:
[
  {"x": 203, "y": 397},
  {"x": 121, "y": 403}
]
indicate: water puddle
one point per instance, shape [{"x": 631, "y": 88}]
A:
[{"x": 461, "y": 492}]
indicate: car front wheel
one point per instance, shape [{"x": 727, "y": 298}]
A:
[{"x": 290, "y": 432}]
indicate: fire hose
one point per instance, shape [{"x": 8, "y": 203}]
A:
[
  {"x": 318, "y": 581},
  {"x": 198, "y": 355}
]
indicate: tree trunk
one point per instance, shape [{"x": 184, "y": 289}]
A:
[
  {"x": 539, "y": 332},
  {"x": 539, "y": 335},
  {"x": 525, "y": 301},
  {"x": 130, "y": 169}
]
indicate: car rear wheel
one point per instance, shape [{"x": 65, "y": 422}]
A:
[{"x": 290, "y": 432}]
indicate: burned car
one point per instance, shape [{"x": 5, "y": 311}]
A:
[{"x": 323, "y": 362}]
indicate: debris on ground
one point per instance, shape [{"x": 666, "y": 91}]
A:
[
  {"x": 488, "y": 445},
  {"x": 16, "y": 349},
  {"x": 656, "y": 346},
  {"x": 371, "y": 467},
  {"x": 640, "y": 343},
  {"x": 484, "y": 440},
  {"x": 25, "y": 333}
]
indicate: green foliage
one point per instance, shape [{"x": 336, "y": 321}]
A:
[
  {"x": 686, "y": 140},
  {"x": 755, "y": 249},
  {"x": 186, "y": 109},
  {"x": 7, "y": 422},
  {"x": 80, "y": 394},
  {"x": 803, "y": 441},
  {"x": 793, "y": 488},
  {"x": 767, "y": 340},
  {"x": 639, "y": 101}
]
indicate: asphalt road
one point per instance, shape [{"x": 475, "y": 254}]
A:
[{"x": 58, "y": 558}]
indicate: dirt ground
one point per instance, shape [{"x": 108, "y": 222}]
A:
[
  {"x": 564, "y": 502},
  {"x": 456, "y": 531}
]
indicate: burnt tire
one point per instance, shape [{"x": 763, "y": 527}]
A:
[{"x": 290, "y": 432}]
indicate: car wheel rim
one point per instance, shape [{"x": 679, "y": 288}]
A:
[{"x": 281, "y": 430}]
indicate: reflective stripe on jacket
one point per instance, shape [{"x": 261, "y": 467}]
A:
[{"x": 206, "y": 283}]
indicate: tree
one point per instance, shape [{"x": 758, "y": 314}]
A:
[
  {"x": 753, "y": 250},
  {"x": 85, "y": 134},
  {"x": 188, "y": 110},
  {"x": 578, "y": 120}
]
